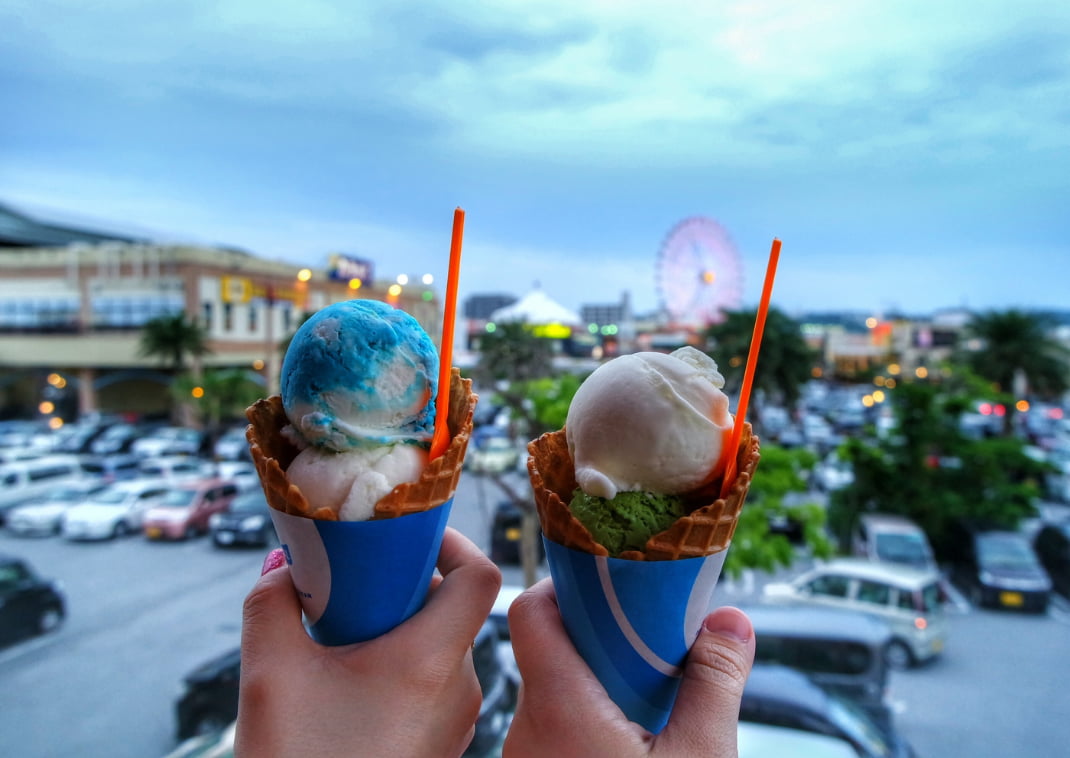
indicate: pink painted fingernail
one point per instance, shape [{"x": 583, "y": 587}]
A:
[{"x": 274, "y": 560}]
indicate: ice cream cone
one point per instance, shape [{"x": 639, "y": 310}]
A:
[
  {"x": 706, "y": 530},
  {"x": 360, "y": 579},
  {"x": 272, "y": 454}
]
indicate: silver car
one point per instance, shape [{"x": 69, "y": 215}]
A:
[{"x": 909, "y": 600}]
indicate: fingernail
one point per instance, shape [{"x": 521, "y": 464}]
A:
[
  {"x": 274, "y": 560},
  {"x": 729, "y": 622}
]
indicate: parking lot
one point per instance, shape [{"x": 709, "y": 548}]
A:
[{"x": 142, "y": 614}]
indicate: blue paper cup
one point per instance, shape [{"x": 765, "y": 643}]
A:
[
  {"x": 633, "y": 622},
  {"x": 360, "y": 579}
]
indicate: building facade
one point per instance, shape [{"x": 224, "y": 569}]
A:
[{"x": 76, "y": 312}]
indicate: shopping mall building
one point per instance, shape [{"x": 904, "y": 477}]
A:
[{"x": 71, "y": 312}]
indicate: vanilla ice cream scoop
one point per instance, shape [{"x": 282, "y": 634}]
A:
[
  {"x": 649, "y": 422},
  {"x": 358, "y": 374}
]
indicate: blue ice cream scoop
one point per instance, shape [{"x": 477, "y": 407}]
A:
[{"x": 360, "y": 374}]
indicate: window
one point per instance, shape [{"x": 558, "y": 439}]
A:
[
  {"x": 254, "y": 317},
  {"x": 831, "y": 585},
  {"x": 815, "y": 655},
  {"x": 228, "y": 317},
  {"x": 50, "y": 472},
  {"x": 874, "y": 592},
  {"x": 11, "y": 574}
]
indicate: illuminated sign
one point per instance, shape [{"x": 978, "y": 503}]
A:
[
  {"x": 342, "y": 268},
  {"x": 237, "y": 289},
  {"x": 552, "y": 331}
]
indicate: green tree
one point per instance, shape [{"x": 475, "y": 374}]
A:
[
  {"x": 1017, "y": 352},
  {"x": 785, "y": 360},
  {"x": 755, "y": 545},
  {"x": 223, "y": 397},
  {"x": 519, "y": 366},
  {"x": 927, "y": 470},
  {"x": 172, "y": 339}
]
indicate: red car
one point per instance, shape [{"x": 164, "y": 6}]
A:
[{"x": 184, "y": 511}]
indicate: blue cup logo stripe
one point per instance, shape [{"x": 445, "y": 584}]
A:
[
  {"x": 360, "y": 579},
  {"x": 633, "y": 622}
]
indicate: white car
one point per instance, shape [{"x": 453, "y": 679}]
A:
[
  {"x": 168, "y": 440},
  {"x": 44, "y": 515},
  {"x": 242, "y": 473},
  {"x": 493, "y": 455},
  {"x": 117, "y": 510},
  {"x": 762, "y": 741},
  {"x": 833, "y": 473},
  {"x": 174, "y": 468}
]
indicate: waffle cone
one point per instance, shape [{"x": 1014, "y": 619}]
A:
[
  {"x": 706, "y": 530},
  {"x": 273, "y": 453}
]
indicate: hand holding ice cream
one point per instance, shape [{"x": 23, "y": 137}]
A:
[{"x": 343, "y": 458}]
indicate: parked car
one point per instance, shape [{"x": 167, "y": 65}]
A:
[
  {"x": 1052, "y": 546},
  {"x": 896, "y": 539},
  {"x": 172, "y": 468},
  {"x": 209, "y": 698},
  {"x": 184, "y": 511},
  {"x": 78, "y": 438},
  {"x": 908, "y": 600},
  {"x": 212, "y": 745},
  {"x": 833, "y": 473},
  {"x": 242, "y": 473},
  {"x": 23, "y": 434},
  {"x": 44, "y": 515},
  {"x": 754, "y": 740},
  {"x": 493, "y": 454},
  {"x": 843, "y": 651},
  {"x": 232, "y": 445},
  {"x": 22, "y": 481},
  {"x": 505, "y": 532},
  {"x": 117, "y": 510},
  {"x": 998, "y": 569},
  {"x": 246, "y": 522},
  {"x": 117, "y": 439},
  {"x": 780, "y": 696},
  {"x": 29, "y": 604},
  {"x": 168, "y": 440},
  {"x": 111, "y": 468}
]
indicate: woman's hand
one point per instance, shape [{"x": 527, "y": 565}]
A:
[
  {"x": 564, "y": 710},
  {"x": 410, "y": 692}
]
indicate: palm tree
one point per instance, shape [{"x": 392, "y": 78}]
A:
[
  {"x": 1017, "y": 352},
  {"x": 785, "y": 362},
  {"x": 172, "y": 339}
]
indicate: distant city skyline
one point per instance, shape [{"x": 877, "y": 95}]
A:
[{"x": 909, "y": 159}]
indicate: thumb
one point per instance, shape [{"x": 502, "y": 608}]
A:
[
  {"x": 271, "y": 615},
  {"x": 706, "y": 712}
]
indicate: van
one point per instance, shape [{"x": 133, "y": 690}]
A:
[
  {"x": 895, "y": 539},
  {"x": 907, "y": 599},
  {"x": 843, "y": 651},
  {"x": 23, "y": 480}
]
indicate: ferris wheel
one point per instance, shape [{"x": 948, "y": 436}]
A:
[{"x": 699, "y": 273}]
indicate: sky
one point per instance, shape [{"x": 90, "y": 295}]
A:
[{"x": 911, "y": 156}]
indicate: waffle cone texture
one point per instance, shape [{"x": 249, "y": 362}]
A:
[
  {"x": 272, "y": 454},
  {"x": 706, "y": 530}
]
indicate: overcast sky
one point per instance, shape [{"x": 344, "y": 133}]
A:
[{"x": 910, "y": 155}]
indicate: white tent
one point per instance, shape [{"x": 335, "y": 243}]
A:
[{"x": 536, "y": 308}]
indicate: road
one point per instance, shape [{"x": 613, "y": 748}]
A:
[{"x": 143, "y": 614}]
